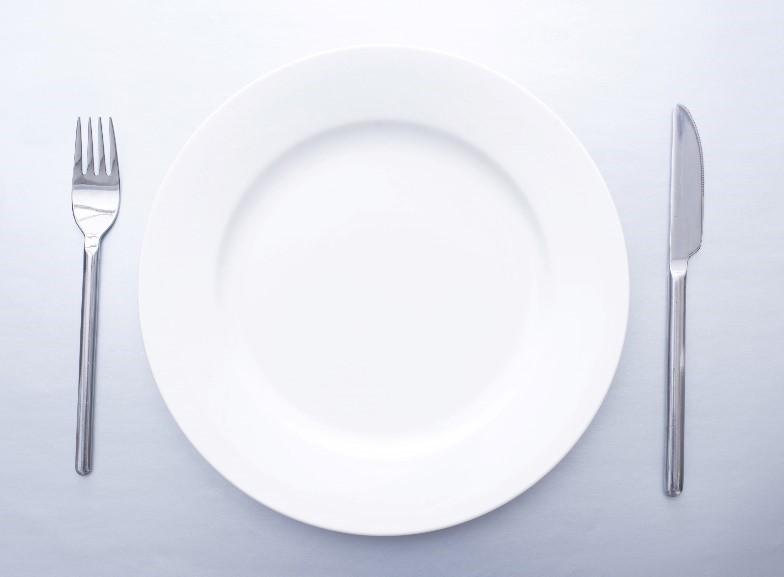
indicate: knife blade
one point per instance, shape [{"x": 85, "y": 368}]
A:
[
  {"x": 686, "y": 186},
  {"x": 686, "y": 218}
]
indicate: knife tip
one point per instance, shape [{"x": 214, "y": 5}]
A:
[{"x": 680, "y": 111}]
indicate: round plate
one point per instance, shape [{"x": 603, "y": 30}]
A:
[{"x": 383, "y": 290}]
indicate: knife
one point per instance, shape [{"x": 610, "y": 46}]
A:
[{"x": 686, "y": 208}]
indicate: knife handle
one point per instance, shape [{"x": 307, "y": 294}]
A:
[{"x": 676, "y": 378}]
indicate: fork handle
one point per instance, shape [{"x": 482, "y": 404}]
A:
[
  {"x": 676, "y": 379},
  {"x": 84, "y": 414}
]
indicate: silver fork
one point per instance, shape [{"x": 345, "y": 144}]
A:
[{"x": 96, "y": 201}]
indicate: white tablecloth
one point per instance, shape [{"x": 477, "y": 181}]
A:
[{"x": 612, "y": 70}]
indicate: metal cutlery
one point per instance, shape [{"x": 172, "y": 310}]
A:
[
  {"x": 96, "y": 200},
  {"x": 686, "y": 209}
]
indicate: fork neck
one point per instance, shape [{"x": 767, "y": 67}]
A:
[{"x": 92, "y": 243}]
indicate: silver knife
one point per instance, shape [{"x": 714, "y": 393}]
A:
[{"x": 686, "y": 208}]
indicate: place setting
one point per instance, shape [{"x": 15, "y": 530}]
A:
[{"x": 383, "y": 290}]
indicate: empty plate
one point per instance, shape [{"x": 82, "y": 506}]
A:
[{"x": 383, "y": 290}]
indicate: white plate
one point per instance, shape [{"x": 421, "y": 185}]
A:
[{"x": 383, "y": 290}]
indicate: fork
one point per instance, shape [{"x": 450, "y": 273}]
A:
[{"x": 96, "y": 200}]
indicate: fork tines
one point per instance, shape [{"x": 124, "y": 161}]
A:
[{"x": 88, "y": 173}]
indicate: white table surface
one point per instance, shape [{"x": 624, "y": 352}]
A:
[{"x": 612, "y": 70}]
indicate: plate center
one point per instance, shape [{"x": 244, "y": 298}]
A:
[{"x": 380, "y": 277}]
